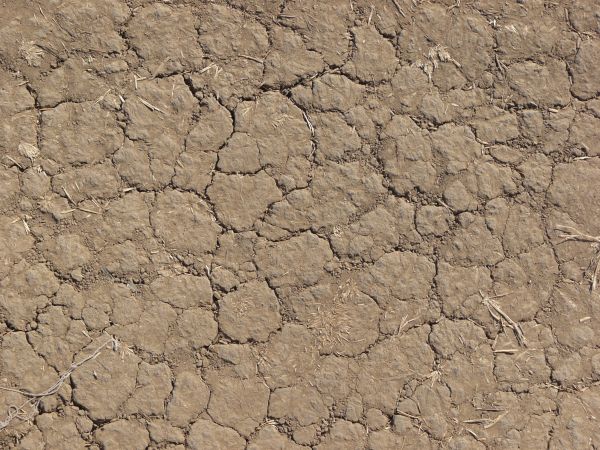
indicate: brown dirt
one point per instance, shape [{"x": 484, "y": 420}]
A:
[{"x": 306, "y": 224}]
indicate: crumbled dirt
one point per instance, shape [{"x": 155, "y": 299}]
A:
[{"x": 301, "y": 224}]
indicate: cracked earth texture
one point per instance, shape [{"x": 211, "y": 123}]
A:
[{"x": 308, "y": 224}]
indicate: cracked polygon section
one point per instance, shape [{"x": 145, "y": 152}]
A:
[
  {"x": 221, "y": 23},
  {"x": 175, "y": 213},
  {"x": 345, "y": 321},
  {"x": 240, "y": 200},
  {"x": 251, "y": 313},
  {"x": 374, "y": 58},
  {"x": 237, "y": 403},
  {"x": 298, "y": 261},
  {"x": 207, "y": 434},
  {"x": 337, "y": 193},
  {"x": 289, "y": 61},
  {"x": 78, "y": 133},
  {"x": 165, "y": 38}
]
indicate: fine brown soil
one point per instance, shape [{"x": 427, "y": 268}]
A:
[{"x": 301, "y": 224}]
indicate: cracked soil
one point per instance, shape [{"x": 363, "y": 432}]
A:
[{"x": 299, "y": 224}]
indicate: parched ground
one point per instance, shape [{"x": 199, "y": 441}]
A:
[{"x": 299, "y": 224}]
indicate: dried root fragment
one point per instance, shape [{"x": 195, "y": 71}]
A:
[{"x": 32, "y": 404}]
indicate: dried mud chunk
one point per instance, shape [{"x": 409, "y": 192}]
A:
[
  {"x": 183, "y": 291},
  {"x": 153, "y": 386},
  {"x": 289, "y": 61},
  {"x": 530, "y": 278},
  {"x": 9, "y": 187},
  {"x": 22, "y": 365},
  {"x": 407, "y": 89},
  {"x": 573, "y": 427},
  {"x": 584, "y": 17},
  {"x": 473, "y": 244},
  {"x": 268, "y": 438},
  {"x": 240, "y": 200},
  {"x": 123, "y": 434},
  {"x": 281, "y": 134},
  {"x": 148, "y": 166},
  {"x": 459, "y": 288},
  {"x": 151, "y": 330},
  {"x": 301, "y": 405},
  {"x": 374, "y": 59},
  {"x": 251, "y": 313},
  {"x": 330, "y": 93},
  {"x": 198, "y": 327},
  {"x": 584, "y": 70},
  {"x": 496, "y": 125},
  {"x": 100, "y": 182},
  {"x": 585, "y": 133},
  {"x": 165, "y": 38},
  {"x": 457, "y": 146},
  {"x": 240, "y": 155},
  {"x": 66, "y": 252},
  {"x": 450, "y": 336},
  {"x": 467, "y": 39},
  {"x": 240, "y": 404},
  {"x": 401, "y": 275},
  {"x": 190, "y": 398},
  {"x": 160, "y": 431},
  {"x": 337, "y": 192},
  {"x": 346, "y": 435},
  {"x": 213, "y": 129},
  {"x": 574, "y": 189},
  {"x": 194, "y": 171},
  {"x": 323, "y": 26},
  {"x": 406, "y": 156},
  {"x": 59, "y": 432},
  {"x": 491, "y": 180},
  {"x": 70, "y": 82},
  {"x": 299, "y": 261},
  {"x": 239, "y": 78},
  {"x": 219, "y": 26},
  {"x": 205, "y": 434},
  {"x": 175, "y": 214},
  {"x": 377, "y": 232},
  {"x": 14, "y": 240},
  {"x": 293, "y": 347},
  {"x": 335, "y": 136},
  {"x": 79, "y": 133},
  {"x": 126, "y": 218},
  {"x": 390, "y": 364},
  {"x": 100, "y": 22},
  {"x": 433, "y": 220},
  {"x": 386, "y": 439},
  {"x": 57, "y": 337},
  {"x": 175, "y": 104},
  {"x": 344, "y": 320},
  {"x": 523, "y": 230},
  {"x": 537, "y": 173},
  {"x": 570, "y": 302},
  {"x": 542, "y": 85},
  {"x": 126, "y": 260},
  {"x": 434, "y": 402},
  {"x": 103, "y": 384}
]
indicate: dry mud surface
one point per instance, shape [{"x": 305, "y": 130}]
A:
[{"x": 299, "y": 224}]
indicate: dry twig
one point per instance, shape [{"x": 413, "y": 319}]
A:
[{"x": 18, "y": 412}]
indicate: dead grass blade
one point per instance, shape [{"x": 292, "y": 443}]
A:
[{"x": 500, "y": 316}]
